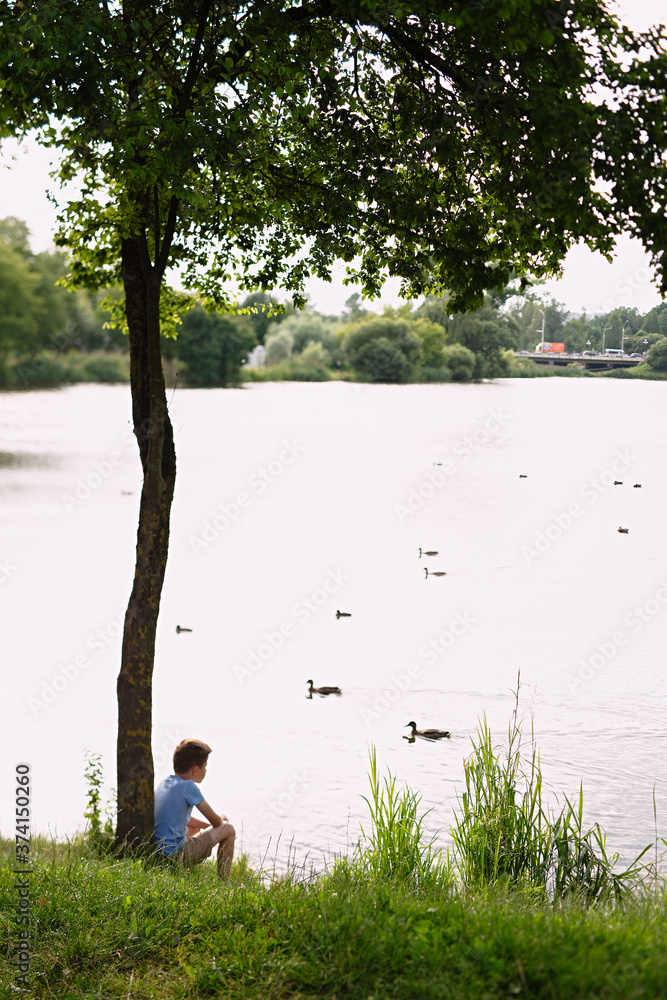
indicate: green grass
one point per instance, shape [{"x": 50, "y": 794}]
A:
[
  {"x": 395, "y": 848},
  {"x": 527, "y": 904},
  {"x": 121, "y": 928},
  {"x": 504, "y": 832}
]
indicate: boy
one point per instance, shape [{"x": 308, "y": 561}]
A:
[{"x": 175, "y": 829}]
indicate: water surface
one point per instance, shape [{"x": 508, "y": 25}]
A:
[{"x": 295, "y": 500}]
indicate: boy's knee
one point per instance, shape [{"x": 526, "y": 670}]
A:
[{"x": 230, "y": 832}]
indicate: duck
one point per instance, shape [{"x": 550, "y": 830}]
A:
[
  {"x": 179, "y": 629},
  {"x": 618, "y": 482},
  {"x": 637, "y": 486},
  {"x": 322, "y": 690},
  {"x": 431, "y": 553},
  {"x": 428, "y": 734},
  {"x": 434, "y": 572},
  {"x": 522, "y": 476},
  {"x": 343, "y": 614},
  {"x": 623, "y": 531}
]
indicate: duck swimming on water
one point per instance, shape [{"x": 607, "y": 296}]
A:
[
  {"x": 322, "y": 690},
  {"x": 428, "y": 734},
  {"x": 431, "y": 553},
  {"x": 434, "y": 572}
]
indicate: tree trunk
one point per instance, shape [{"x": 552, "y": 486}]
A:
[{"x": 153, "y": 430}]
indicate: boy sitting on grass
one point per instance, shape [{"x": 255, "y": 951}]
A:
[{"x": 175, "y": 829}]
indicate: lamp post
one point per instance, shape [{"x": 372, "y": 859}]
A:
[
  {"x": 603, "y": 333},
  {"x": 542, "y": 341},
  {"x": 645, "y": 346},
  {"x": 623, "y": 333}
]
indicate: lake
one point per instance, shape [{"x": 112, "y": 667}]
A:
[{"x": 294, "y": 501}]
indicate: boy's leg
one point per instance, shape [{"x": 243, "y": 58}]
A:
[
  {"x": 226, "y": 850},
  {"x": 199, "y": 847}
]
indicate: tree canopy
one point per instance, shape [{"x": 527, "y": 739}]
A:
[
  {"x": 450, "y": 143},
  {"x": 267, "y": 140}
]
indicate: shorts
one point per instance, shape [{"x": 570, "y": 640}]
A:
[{"x": 200, "y": 846}]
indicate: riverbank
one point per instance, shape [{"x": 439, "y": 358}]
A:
[
  {"x": 108, "y": 928},
  {"x": 51, "y": 369},
  {"x": 526, "y": 903}
]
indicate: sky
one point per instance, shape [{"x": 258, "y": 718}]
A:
[{"x": 589, "y": 282}]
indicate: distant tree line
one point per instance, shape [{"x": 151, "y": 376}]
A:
[{"x": 49, "y": 334}]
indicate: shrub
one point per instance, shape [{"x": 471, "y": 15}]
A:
[
  {"x": 47, "y": 368},
  {"x": 382, "y": 349},
  {"x": 213, "y": 346},
  {"x": 279, "y": 347},
  {"x": 313, "y": 355},
  {"x": 460, "y": 361},
  {"x": 105, "y": 368},
  {"x": 306, "y": 328},
  {"x": 657, "y": 356},
  {"x": 428, "y": 374}
]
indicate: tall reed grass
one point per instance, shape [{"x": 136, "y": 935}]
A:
[
  {"x": 397, "y": 848},
  {"x": 505, "y": 833}
]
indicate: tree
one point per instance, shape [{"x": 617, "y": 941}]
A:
[
  {"x": 353, "y": 309},
  {"x": 436, "y": 309},
  {"x": 258, "y": 307},
  {"x": 657, "y": 356},
  {"x": 576, "y": 334},
  {"x": 314, "y": 355},
  {"x": 305, "y": 327},
  {"x": 36, "y": 311},
  {"x": 433, "y": 339},
  {"x": 213, "y": 346},
  {"x": 15, "y": 234},
  {"x": 267, "y": 140},
  {"x": 19, "y": 305},
  {"x": 279, "y": 347},
  {"x": 655, "y": 320},
  {"x": 488, "y": 334},
  {"x": 460, "y": 361},
  {"x": 382, "y": 349}
]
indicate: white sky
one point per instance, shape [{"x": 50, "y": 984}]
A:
[{"x": 588, "y": 280}]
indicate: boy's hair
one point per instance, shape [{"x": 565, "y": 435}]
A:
[{"x": 188, "y": 753}]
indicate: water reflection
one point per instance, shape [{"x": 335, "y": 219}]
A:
[{"x": 26, "y": 460}]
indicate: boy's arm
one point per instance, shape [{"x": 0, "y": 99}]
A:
[
  {"x": 211, "y": 815},
  {"x": 196, "y": 824}
]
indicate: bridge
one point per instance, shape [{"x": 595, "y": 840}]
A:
[{"x": 591, "y": 362}]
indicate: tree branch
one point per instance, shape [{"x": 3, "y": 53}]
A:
[{"x": 169, "y": 230}]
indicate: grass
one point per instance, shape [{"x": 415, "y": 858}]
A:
[
  {"x": 527, "y": 904},
  {"x": 395, "y": 848},
  {"x": 126, "y": 929},
  {"x": 504, "y": 833}
]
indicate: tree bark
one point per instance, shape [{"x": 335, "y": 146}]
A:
[{"x": 153, "y": 430}]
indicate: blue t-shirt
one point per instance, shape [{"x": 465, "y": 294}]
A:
[{"x": 174, "y": 799}]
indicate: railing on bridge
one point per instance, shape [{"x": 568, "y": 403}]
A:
[{"x": 588, "y": 360}]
